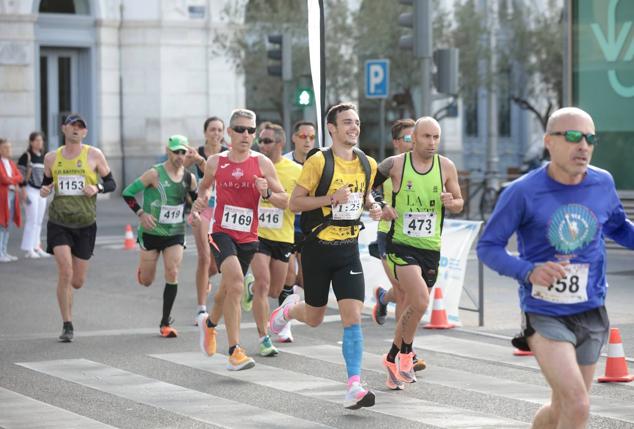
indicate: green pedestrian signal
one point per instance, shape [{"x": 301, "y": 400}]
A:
[{"x": 304, "y": 97}]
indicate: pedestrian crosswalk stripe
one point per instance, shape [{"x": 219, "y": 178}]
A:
[
  {"x": 21, "y": 412},
  {"x": 474, "y": 350},
  {"x": 332, "y": 391},
  {"x": 600, "y": 406},
  {"x": 176, "y": 399}
]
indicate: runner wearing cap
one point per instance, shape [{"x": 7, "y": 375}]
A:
[
  {"x": 167, "y": 191},
  {"x": 73, "y": 172}
]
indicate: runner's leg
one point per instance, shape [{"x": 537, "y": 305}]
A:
[{"x": 261, "y": 274}]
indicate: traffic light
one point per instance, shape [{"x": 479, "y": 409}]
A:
[
  {"x": 446, "y": 76},
  {"x": 304, "y": 97},
  {"x": 419, "y": 20},
  {"x": 281, "y": 52}
]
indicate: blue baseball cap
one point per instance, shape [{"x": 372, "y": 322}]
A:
[{"x": 75, "y": 117}]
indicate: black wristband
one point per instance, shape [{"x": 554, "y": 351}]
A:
[{"x": 47, "y": 180}]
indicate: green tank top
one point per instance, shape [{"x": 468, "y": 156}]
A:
[
  {"x": 419, "y": 205},
  {"x": 70, "y": 207},
  {"x": 384, "y": 225},
  {"x": 166, "y": 203}
]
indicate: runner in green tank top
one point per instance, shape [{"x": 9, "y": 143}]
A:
[
  {"x": 167, "y": 189},
  {"x": 425, "y": 184}
]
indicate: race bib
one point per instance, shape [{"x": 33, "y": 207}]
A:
[
  {"x": 70, "y": 185},
  {"x": 270, "y": 217},
  {"x": 237, "y": 218},
  {"x": 351, "y": 210},
  {"x": 419, "y": 224},
  {"x": 171, "y": 214},
  {"x": 571, "y": 289}
]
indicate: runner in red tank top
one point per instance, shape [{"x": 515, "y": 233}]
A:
[{"x": 242, "y": 177}]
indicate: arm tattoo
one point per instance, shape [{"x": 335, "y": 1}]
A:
[{"x": 386, "y": 165}]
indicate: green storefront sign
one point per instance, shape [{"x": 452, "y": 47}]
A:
[{"x": 602, "y": 41}]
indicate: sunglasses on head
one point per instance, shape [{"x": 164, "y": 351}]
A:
[
  {"x": 574, "y": 136},
  {"x": 240, "y": 129},
  {"x": 266, "y": 140},
  {"x": 179, "y": 152},
  {"x": 310, "y": 137}
]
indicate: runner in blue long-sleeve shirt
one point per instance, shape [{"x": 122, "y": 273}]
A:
[{"x": 561, "y": 214}]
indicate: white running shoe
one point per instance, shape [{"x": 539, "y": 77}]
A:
[
  {"x": 285, "y": 335},
  {"x": 32, "y": 254},
  {"x": 357, "y": 397},
  {"x": 277, "y": 321},
  {"x": 4, "y": 258},
  {"x": 42, "y": 253},
  {"x": 11, "y": 257}
]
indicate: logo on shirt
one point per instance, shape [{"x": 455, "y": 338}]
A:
[
  {"x": 79, "y": 163},
  {"x": 409, "y": 185},
  {"x": 237, "y": 173},
  {"x": 224, "y": 165},
  {"x": 571, "y": 227}
]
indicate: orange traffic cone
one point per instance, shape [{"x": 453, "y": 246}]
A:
[
  {"x": 518, "y": 352},
  {"x": 438, "y": 313},
  {"x": 616, "y": 366},
  {"x": 128, "y": 242}
]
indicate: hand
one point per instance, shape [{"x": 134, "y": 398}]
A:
[
  {"x": 45, "y": 191},
  {"x": 375, "y": 211},
  {"x": 147, "y": 221},
  {"x": 90, "y": 190},
  {"x": 200, "y": 204},
  {"x": 261, "y": 184},
  {"x": 23, "y": 198},
  {"x": 195, "y": 219},
  {"x": 389, "y": 213},
  {"x": 446, "y": 198},
  {"x": 341, "y": 195},
  {"x": 548, "y": 273}
]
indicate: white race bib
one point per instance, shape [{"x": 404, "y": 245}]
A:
[
  {"x": 171, "y": 214},
  {"x": 70, "y": 185},
  {"x": 571, "y": 289},
  {"x": 237, "y": 218},
  {"x": 419, "y": 224},
  {"x": 270, "y": 217},
  {"x": 351, "y": 210}
]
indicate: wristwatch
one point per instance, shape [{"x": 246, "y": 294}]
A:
[
  {"x": 268, "y": 194},
  {"x": 100, "y": 188}
]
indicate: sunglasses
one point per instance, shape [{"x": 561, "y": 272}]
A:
[
  {"x": 407, "y": 138},
  {"x": 179, "y": 152},
  {"x": 240, "y": 129},
  {"x": 574, "y": 136},
  {"x": 266, "y": 140},
  {"x": 310, "y": 137}
]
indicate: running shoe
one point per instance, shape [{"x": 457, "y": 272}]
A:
[
  {"x": 406, "y": 367},
  {"x": 32, "y": 254},
  {"x": 419, "y": 364},
  {"x": 168, "y": 332},
  {"x": 11, "y": 257},
  {"x": 247, "y": 292},
  {"x": 392, "y": 382},
  {"x": 207, "y": 335},
  {"x": 277, "y": 321},
  {"x": 67, "y": 334},
  {"x": 239, "y": 360},
  {"x": 42, "y": 254},
  {"x": 379, "y": 311},
  {"x": 357, "y": 397},
  {"x": 5, "y": 258},
  {"x": 285, "y": 335},
  {"x": 267, "y": 348}
]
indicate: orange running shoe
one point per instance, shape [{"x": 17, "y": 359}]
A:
[
  {"x": 168, "y": 332},
  {"x": 392, "y": 382},
  {"x": 405, "y": 367},
  {"x": 207, "y": 335},
  {"x": 239, "y": 360}
]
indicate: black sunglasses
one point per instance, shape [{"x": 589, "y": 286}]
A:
[
  {"x": 574, "y": 136},
  {"x": 179, "y": 152},
  {"x": 240, "y": 129},
  {"x": 266, "y": 140}
]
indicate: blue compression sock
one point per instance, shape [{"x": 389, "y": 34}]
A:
[{"x": 352, "y": 349}]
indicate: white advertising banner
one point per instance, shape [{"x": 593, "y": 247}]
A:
[{"x": 457, "y": 238}]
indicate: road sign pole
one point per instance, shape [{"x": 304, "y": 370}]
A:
[{"x": 382, "y": 130}]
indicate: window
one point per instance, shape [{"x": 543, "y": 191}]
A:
[{"x": 72, "y": 7}]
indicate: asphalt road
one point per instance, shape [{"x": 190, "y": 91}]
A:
[{"x": 120, "y": 373}]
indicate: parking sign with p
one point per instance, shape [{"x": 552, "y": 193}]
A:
[{"x": 377, "y": 78}]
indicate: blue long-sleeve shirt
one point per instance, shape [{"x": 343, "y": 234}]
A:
[{"x": 554, "y": 221}]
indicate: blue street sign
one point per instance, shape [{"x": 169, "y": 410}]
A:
[{"x": 377, "y": 78}]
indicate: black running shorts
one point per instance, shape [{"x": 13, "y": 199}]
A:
[
  {"x": 80, "y": 240},
  {"x": 223, "y": 246},
  {"x": 427, "y": 260},
  {"x": 275, "y": 249},
  {"x": 160, "y": 242},
  {"x": 337, "y": 262}
]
